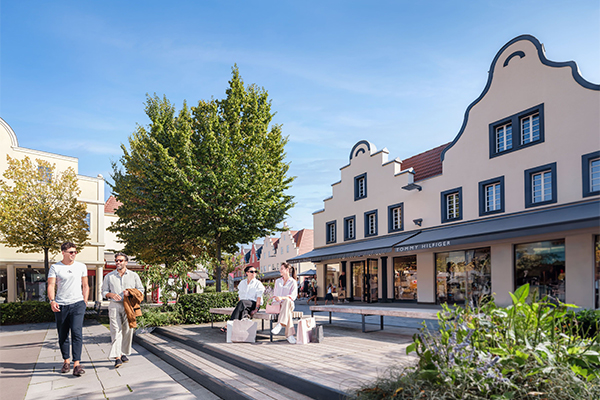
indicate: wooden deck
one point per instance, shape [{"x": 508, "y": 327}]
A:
[{"x": 345, "y": 360}]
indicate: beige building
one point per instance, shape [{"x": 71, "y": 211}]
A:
[
  {"x": 22, "y": 274},
  {"x": 513, "y": 199},
  {"x": 289, "y": 244}
]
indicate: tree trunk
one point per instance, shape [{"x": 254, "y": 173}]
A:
[
  {"x": 46, "y": 269},
  {"x": 218, "y": 274}
]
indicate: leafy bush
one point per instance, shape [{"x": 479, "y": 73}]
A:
[
  {"x": 585, "y": 323},
  {"x": 524, "y": 351},
  {"x": 26, "y": 312},
  {"x": 159, "y": 316},
  {"x": 194, "y": 307}
]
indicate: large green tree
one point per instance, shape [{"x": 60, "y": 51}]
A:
[
  {"x": 207, "y": 178},
  {"x": 39, "y": 209}
]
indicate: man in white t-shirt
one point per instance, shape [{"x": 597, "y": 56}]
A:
[{"x": 68, "y": 292}]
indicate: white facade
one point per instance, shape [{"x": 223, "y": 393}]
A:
[
  {"x": 20, "y": 271},
  {"x": 546, "y": 173}
]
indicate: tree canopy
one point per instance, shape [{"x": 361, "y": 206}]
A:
[
  {"x": 39, "y": 209},
  {"x": 201, "y": 181}
]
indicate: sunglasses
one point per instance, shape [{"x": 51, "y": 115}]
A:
[
  {"x": 71, "y": 252},
  {"x": 120, "y": 261},
  {"x": 253, "y": 271}
]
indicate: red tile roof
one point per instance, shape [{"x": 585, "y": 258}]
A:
[
  {"x": 111, "y": 205},
  {"x": 426, "y": 164},
  {"x": 304, "y": 240}
]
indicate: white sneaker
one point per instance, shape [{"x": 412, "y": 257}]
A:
[
  {"x": 276, "y": 329},
  {"x": 291, "y": 339}
]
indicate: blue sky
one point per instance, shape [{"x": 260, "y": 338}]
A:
[{"x": 74, "y": 74}]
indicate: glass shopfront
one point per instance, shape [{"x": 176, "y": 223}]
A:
[
  {"x": 405, "y": 278},
  {"x": 372, "y": 279},
  {"x": 31, "y": 284},
  {"x": 358, "y": 282},
  {"x": 542, "y": 266},
  {"x": 463, "y": 276},
  {"x": 3, "y": 285},
  {"x": 365, "y": 285}
]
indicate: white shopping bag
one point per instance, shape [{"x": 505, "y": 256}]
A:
[
  {"x": 242, "y": 330},
  {"x": 305, "y": 326}
]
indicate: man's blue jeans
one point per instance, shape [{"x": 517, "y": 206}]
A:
[{"x": 70, "y": 319}]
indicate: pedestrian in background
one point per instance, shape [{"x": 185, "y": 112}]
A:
[{"x": 68, "y": 292}]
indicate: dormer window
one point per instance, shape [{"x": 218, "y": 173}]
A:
[{"x": 360, "y": 187}]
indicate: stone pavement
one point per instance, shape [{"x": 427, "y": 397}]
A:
[
  {"x": 30, "y": 360},
  {"x": 31, "y": 363}
]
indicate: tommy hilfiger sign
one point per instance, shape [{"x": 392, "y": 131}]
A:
[{"x": 423, "y": 246}]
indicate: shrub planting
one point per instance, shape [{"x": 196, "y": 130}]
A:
[
  {"x": 529, "y": 350},
  {"x": 26, "y": 312}
]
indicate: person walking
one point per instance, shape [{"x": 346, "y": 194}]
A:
[
  {"x": 312, "y": 292},
  {"x": 121, "y": 285},
  {"x": 342, "y": 285},
  {"x": 329, "y": 295},
  {"x": 285, "y": 293},
  {"x": 68, "y": 291}
]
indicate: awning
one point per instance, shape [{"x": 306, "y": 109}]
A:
[
  {"x": 561, "y": 218},
  {"x": 380, "y": 245},
  {"x": 555, "y": 219},
  {"x": 310, "y": 272}
]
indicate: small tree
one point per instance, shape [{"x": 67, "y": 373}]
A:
[{"x": 39, "y": 211}]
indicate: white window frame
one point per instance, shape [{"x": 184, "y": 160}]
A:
[
  {"x": 396, "y": 218},
  {"x": 453, "y": 205},
  {"x": 542, "y": 188},
  {"x": 595, "y": 175},
  {"x": 504, "y": 138},
  {"x": 493, "y": 198},
  {"x": 530, "y": 128}
]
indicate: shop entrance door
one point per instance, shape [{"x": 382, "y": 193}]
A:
[
  {"x": 371, "y": 279},
  {"x": 358, "y": 280}
]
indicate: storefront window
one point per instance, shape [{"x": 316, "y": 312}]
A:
[
  {"x": 542, "y": 266},
  {"x": 597, "y": 252},
  {"x": 31, "y": 284},
  {"x": 405, "y": 278},
  {"x": 3, "y": 285},
  {"x": 463, "y": 276}
]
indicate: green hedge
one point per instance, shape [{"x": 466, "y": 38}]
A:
[
  {"x": 194, "y": 307},
  {"x": 26, "y": 312}
]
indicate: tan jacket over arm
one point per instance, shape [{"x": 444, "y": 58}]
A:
[{"x": 132, "y": 307}]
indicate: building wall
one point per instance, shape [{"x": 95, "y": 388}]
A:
[
  {"x": 520, "y": 78},
  {"x": 92, "y": 194}
]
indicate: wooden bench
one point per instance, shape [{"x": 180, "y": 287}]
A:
[
  {"x": 262, "y": 315},
  {"x": 381, "y": 311}
]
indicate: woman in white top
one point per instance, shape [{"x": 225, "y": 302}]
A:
[
  {"x": 250, "y": 293},
  {"x": 285, "y": 292}
]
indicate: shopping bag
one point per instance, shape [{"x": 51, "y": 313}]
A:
[
  {"x": 229, "y": 330},
  {"x": 273, "y": 308},
  {"x": 305, "y": 326},
  {"x": 243, "y": 330},
  {"x": 316, "y": 334}
]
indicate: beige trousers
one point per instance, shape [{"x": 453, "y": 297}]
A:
[
  {"x": 285, "y": 316},
  {"x": 120, "y": 332}
]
